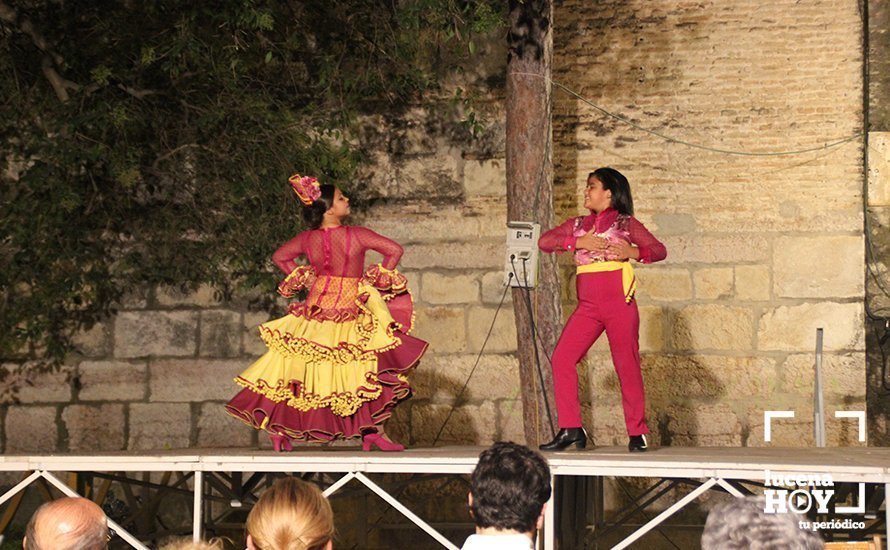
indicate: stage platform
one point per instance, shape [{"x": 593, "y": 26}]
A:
[{"x": 715, "y": 466}]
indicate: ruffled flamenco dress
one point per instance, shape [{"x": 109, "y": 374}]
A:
[{"x": 337, "y": 364}]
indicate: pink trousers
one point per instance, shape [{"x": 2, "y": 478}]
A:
[{"x": 601, "y": 306}]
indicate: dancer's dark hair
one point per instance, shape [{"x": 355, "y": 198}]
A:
[
  {"x": 314, "y": 213},
  {"x": 614, "y": 181}
]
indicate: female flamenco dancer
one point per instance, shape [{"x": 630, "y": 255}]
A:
[
  {"x": 338, "y": 362},
  {"x": 603, "y": 243}
]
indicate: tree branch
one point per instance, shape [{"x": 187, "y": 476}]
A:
[
  {"x": 172, "y": 152},
  {"x": 59, "y": 84},
  {"x": 9, "y": 15},
  {"x": 50, "y": 60},
  {"x": 138, "y": 94}
]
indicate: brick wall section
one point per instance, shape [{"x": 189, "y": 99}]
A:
[
  {"x": 727, "y": 322},
  {"x": 762, "y": 250}
]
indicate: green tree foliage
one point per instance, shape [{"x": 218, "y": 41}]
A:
[{"x": 149, "y": 142}]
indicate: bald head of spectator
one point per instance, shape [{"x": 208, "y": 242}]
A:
[{"x": 67, "y": 524}]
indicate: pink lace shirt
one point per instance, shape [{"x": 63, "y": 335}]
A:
[{"x": 608, "y": 224}]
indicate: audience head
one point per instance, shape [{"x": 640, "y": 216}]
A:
[
  {"x": 70, "y": 523},
  {"x": 291, "y": 515},
  {"x": 190, "y": 544},
  {"x": 743, "y": 524},
  {"x": 509, "y": 488}
]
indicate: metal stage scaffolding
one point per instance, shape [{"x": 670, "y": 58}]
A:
[{"x": 211, "y": 474}]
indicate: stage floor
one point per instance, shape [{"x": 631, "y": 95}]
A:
[{"x": 854, "y": 464}]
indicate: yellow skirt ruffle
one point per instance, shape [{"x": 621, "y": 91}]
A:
[{"x": 321, "y": 363}]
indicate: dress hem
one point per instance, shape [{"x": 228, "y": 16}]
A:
[{"x": 322, "y": 424}]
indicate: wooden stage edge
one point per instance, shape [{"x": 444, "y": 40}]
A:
[{"x": 844, "y": 464}]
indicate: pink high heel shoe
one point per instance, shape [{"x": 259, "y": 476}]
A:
[
  {"x": 281, "y": 443},
  {"x": 381, "y": 443}
]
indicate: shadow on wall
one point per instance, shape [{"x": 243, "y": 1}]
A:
[
  {"x": 418, "y": 420},
  {"x": 878, "y": 387},
  {"x": 682, "y": 396},
  {"x": 686, "y": 395},
  {"x": 609, "y": 55}
]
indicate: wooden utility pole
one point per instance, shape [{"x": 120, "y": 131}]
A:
[{"x": 530, "y": 198}]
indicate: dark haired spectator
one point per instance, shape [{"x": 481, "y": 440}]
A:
[
  {"x": 70, "y": 523},
  {"x": 509, "y": 489}
]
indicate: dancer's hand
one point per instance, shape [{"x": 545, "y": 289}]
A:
[
  {"x": 623, "y": 250},
  {"x": 589, "y": 241}
]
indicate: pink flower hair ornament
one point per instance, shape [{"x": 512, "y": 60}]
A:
[{"x": 307, "y": 188}]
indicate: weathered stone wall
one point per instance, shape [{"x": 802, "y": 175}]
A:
[
  {"x": 878, "y": 222},
  {"x": 447, "y": 206},
  {"x": 153, "y": 377},
  {"x": 762, "y": 250}
]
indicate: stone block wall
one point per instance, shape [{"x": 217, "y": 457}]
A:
[
  {"x": 762, "y": 250},
  {"x": 452, "y": 224},
  {"x": 153, "y": 377}
]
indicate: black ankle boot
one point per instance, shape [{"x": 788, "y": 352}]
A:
[
  {"x": 637, "y": 444},
  {"x": 565, "y": 438}
]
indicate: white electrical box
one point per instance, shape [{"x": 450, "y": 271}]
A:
[{"x": 521, "y": 258}]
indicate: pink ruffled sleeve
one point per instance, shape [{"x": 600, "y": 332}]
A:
[
  {"x": 388, "y": 281},
  {"x": 298, "y": 279}
]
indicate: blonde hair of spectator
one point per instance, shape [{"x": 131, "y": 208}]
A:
[
  {"x": 291, "y": 515},
  {"x": 189, "y": 544},
  {"x": 69, "y": 523}
]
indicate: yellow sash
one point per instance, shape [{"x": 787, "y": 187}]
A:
[{"x": 628, "y": 281}]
